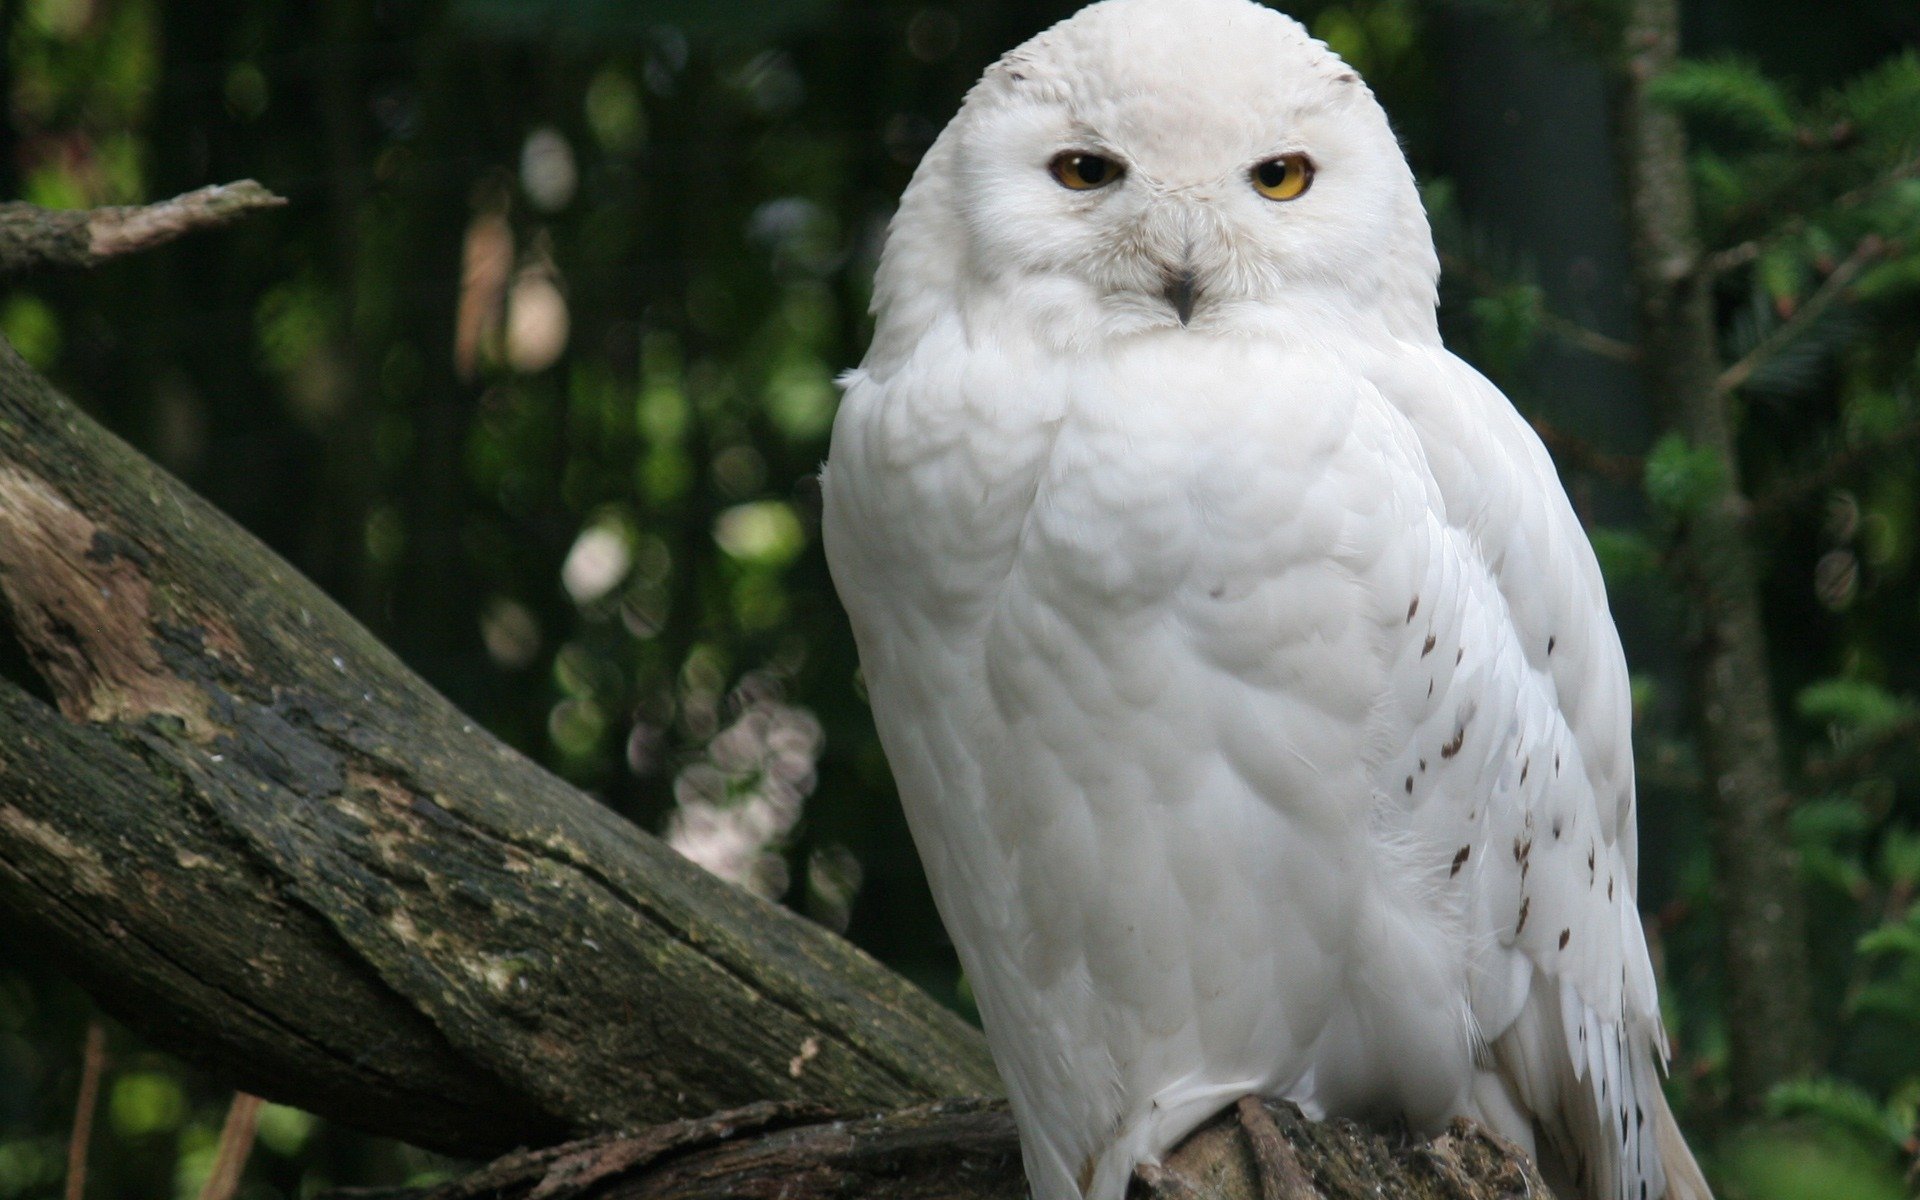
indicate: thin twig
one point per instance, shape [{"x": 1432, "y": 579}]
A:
[
  {"x": 1791, "y": 329},
  {"x": 93, "y": 1064},
  {"x": 1865, "y": 754},
  {"x": 236, "y": 1144},
  {"x": 1796, "y": 490},
  {"x": 1565, "y": 328},
  {"x": 1578, "y": 454},
  {"x": 1740, "y": 254},
  {"x": 33, "y": 237}
]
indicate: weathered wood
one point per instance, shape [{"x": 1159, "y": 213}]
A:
[
  {"x": 263, "y": 842},
  {"x": 966, "y": 1150},
  {"x": 33, "y": 237}
]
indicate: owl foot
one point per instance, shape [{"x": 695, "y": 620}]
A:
[
  {"x": 1158, "y": 1183},
  {"x": 1277, "y": 1166}
]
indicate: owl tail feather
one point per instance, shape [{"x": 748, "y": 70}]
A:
[{"x": 1684, "y": 1180}]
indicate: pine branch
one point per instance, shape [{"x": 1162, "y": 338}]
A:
[
  {"x": 1713, "y": 265},
  {"x": 1565, "y": 328},
  {"x": 1864, "y": 755},
  {"x": 1794, "y": 327},
  {"x": 1788, "y": 494}
]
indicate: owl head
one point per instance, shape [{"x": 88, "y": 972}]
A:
[{"x": 1149, "y": 166}]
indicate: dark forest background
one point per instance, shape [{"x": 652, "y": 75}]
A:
[{"x": 534, "y": 371}]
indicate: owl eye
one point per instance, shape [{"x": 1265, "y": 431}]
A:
[
  {"x": 1082, "y": 172},
  {"x": 1283, "y": 178}
]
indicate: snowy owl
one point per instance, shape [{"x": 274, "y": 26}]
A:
[{"x": 1247, "y": 677}]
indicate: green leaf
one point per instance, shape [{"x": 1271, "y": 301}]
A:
[
  {"x": 1681, "y": 477},
  {"x": 1728, "y": 93},
  {"x": 1854, "y": 704},
  {"x": 1838, "y": 1104}
]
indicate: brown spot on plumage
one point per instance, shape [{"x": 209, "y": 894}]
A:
[
  {"x": 1609, "y": 887},
  {"x": 1428, "y": 648},
  {"x": 1550, "y": 644},
  {"x": 1524, "y": 767},
  {"x": 1423, "y": 764},
  {"x": 1409, "y": 785},
  {"x": 1413, "y": 607},
  {"x": 1526, "y": 902},
  {"x": 1458, "y": 654},
  {"x": 1566, "y": 935},
  {"x": 1453, "y": 747},
  {"x": 1459, "y": 860}
]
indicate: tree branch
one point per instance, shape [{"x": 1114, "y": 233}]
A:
[
  {"x": 1566, "y": 329},
  {"x": 1803, "y": 318},
  {"x": 32, "y": 237},
  {"x": 259, "y": 839},
  {"x": 1576, "y": 453},
  {"x": 1788, "y": 493},
  {"x": 967, "y": 1150}
]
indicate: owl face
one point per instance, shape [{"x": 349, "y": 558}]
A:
[{"x": 1133, "y": 170}]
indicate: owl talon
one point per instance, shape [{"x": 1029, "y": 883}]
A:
[
  {"x": 1281, "y": 1175},
  {"x": 1158, "y": 1183}
]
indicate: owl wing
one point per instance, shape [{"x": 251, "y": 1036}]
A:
[{"x": 1532, "y": 735}]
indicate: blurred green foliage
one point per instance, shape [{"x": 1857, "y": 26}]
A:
[{"x": 535, "y": 372}]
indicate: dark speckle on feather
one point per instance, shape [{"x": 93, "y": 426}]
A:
[
  {"x": 1526, "y": 902},
  {"x": 1550, "y": 644},
  {"x": 1566, "y": 935},
  {"x": 1413, "y": 607},
  {"x": 1428, "y": 648},
  {"x": 1459, "y": 860},
  {"x": 1409, "y": 785}
]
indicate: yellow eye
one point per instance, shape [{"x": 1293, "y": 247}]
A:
[
  {"x": 1283, "y": 178},
  {"x": 1082, "y": 172}
]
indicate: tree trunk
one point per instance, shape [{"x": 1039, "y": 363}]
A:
[
  {"x": 1768, "y": 1009},
  {"x": 262, "y": 842}
]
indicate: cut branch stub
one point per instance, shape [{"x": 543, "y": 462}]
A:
[
  {"x": 33, "y": 237},
  {"x": 258, "y": 838}
]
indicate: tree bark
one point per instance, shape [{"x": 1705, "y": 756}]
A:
[
  {"x": 259, "y": 839},
  {"x": 967, "y": 1150},
  {"x": 1768, "y": 1007},
  {"x": 262, "y": 842},
  {"x": 33, "y": 237}
]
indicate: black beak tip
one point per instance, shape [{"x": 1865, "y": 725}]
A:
[{"x": 1180, "y": 293}]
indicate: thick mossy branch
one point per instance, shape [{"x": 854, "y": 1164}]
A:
[
  {"x": 261, "y": 840},
  {"x": 33, "y": 237}
]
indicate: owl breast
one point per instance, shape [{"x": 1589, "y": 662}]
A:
[{"x": 1127, "y": 630}]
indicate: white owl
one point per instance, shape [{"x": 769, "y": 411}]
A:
[{"x": 1248, "y": 679}]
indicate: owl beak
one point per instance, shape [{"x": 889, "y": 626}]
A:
[{"x": 1180, "y": 292}]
